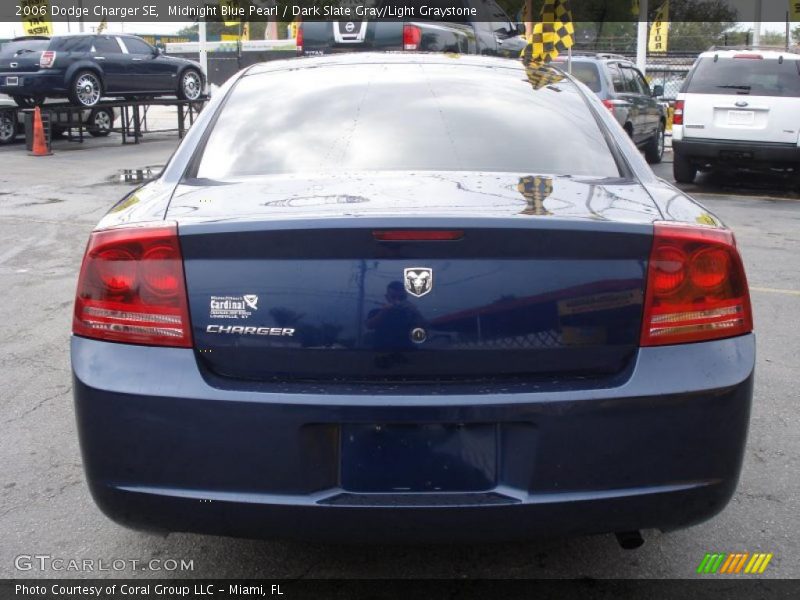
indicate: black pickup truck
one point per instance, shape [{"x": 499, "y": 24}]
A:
[{"x": 489, "y": 32}]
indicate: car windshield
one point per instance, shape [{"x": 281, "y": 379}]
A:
[
  {"x": 12, "y": 49},
  {"x": 746, "y": 76},
  {"x": 405, "y": 117}
]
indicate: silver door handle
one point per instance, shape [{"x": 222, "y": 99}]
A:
[
  {"x": 137, "y": 59},
  {"x": 99, "y": 57}
]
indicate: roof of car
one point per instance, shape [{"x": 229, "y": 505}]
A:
[
  {"x": 376, "y": 58},
  {"x": 767, "y": 53}
]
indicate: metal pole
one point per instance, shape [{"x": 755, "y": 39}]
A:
[
  {"x": 201, "y": 35},
  {"x": 788, "y": 32},
  {"x": 641, "y": 37},
  {"x": 569, "y": 60},
  {"x": 80, "y": 16},
  {"x": 757, "y": 25}
]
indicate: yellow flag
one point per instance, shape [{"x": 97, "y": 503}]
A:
[
  {"x": 36, "y": 17},
  {"x": 232, "y": 8},
  {"x": 659, "y": 30},
  {"x": 794, "y": 10}
]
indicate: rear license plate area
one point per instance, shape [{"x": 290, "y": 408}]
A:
[
  {"x": 12, "y": 81},
  {"x": 418, "y": 458},
  {"x": 741, "y": 117}
]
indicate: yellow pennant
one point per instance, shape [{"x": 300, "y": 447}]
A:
[
  {"x": 659, "y": 30},
  {"x": 36, "y": 17},
  {"x": 230, "y": 9},
  {"x": 794, "y": 10}
]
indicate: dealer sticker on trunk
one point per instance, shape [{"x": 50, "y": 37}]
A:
[{"x": 233, "y": 307}]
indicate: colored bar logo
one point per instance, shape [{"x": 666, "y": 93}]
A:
[{"x": 734, "y": 564}]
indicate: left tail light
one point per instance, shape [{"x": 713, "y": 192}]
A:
[
  {"x": 299, "y": 40},
  {"x": 47, "y": 59},
  {"x": 696, "y": 287},
  {"x": 412, "y": 37},
  {"x": 677, "y": 115},
  {"x": 131, "y": 288}
]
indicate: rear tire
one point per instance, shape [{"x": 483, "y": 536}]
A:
[
  {"x": 8, "y": 126},
  {"x": 654, "y": 151},
  {"x": 100, "y": 122},
  {"x": 682, "y": 170},
  {"x": 86, "y": 89}
]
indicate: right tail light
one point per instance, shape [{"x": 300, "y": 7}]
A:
[
  {"x": 299, "y": 39},
  {"x": 696, "y": 287}
]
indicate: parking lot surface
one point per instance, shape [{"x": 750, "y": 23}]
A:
[{"x": 49, "y": 205}]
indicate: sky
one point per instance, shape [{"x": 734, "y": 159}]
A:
[{"x": 9, "y": 29}]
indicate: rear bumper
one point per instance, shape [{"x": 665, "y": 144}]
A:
[
  {"x": 44, "y": 83},
  {"x": 736, "y": 153},
  {"x": 165, "y": 449}
]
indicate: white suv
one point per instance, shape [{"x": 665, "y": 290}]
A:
[{"x": 738, "y": 109}]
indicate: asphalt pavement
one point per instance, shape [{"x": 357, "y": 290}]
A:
[{"x": 48, "y": 206}]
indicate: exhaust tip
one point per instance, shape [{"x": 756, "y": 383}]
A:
[{"x": 630, "y": 540}]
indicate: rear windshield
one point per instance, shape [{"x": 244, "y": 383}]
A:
[
  {"x": 12, "y": 49},
  {"x": 746, "y": 76},
  {"x": 585, "y": 72},
  {"x": 404, "y": 117}
]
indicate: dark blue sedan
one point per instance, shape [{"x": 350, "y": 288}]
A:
[
  {"x": 411, "y": 297},
  {"x": 86, "y": 67}
]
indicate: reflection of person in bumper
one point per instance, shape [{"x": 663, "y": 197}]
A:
[{"x": 393, "y": 322}]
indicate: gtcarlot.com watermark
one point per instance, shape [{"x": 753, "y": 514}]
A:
[{"x": 48, "y": 562}]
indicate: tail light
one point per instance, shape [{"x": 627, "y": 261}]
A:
[
  {"x": 677, "y": 113},
  {"x": 412, "y": 36},
  {"x": 749, "y": 56},
  {"x": 696, "y": 287},
  {"x": 609, "y": 104},
  {"x": 47, "y": 59},
  {"x": 131, "y": 288},
  {"x": 299, "y": 39}
]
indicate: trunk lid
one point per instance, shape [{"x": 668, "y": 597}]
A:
[{"x": 287, "y": 280}]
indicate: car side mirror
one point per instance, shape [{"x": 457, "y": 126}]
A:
[
  {"x": 658, "y": 91},
  {"x": 157, "y": 51},
  {"x": 520, "y": 29}
]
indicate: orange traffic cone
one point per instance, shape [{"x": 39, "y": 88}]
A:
[{"x": 40, "y": 147}]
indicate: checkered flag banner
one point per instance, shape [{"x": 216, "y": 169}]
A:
[
  {"x": 553, "y": 35},
  {"x": 557, "y": 13}
]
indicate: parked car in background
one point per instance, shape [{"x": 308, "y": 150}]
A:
[
  {"x": 625, "y": 92},
  {"x": 99, "y": 122},
  {"x": 410, "y": 297},
  {"x": 88, "y": 67},
  {"x": 738, "y": 109},
  {"x": 490, "y": 32}
]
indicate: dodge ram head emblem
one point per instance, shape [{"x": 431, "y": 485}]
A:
[
  {"x": 419, "y": 280},
  {"x": 350, "y": 27}
]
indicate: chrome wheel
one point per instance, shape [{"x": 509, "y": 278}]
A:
[
  {"x": 191, "y": 85},
  {"x": 101, "y": 121},
  {"x": 87, "y": 89},
  {"x": 8, "y": 127}
]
